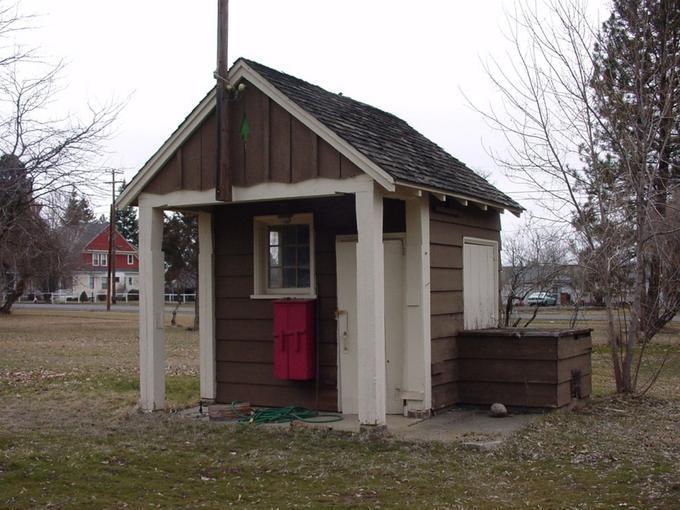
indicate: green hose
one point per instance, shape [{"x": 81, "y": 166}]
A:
[{"x": 284, "y": 415}]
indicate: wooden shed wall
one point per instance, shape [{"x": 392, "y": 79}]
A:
[
  {"x": 449, "y": 224},
  {"x": 277, "y": 148},
  {"x": 532, "y": 370},
  {"x": 244, "y": 325}
]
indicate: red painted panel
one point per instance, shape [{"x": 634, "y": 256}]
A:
[{"x": 294, "y": 340}]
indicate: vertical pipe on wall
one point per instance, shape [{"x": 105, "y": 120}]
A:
[{"x": 222, "y": 174}]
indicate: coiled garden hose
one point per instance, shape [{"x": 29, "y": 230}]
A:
[{"x": 283, "y": 415}]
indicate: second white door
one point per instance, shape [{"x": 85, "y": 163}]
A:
[{"x": 347, "y": 324}]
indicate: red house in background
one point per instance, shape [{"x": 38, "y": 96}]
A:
[{"x": 92, "y": 276}]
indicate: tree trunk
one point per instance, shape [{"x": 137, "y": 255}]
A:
[
  {"x": 12, "y": 296},
  {"x": 508, "y": 309},
  {"x": 614, "y": 345},
  {"x": 636, "y": 311}
]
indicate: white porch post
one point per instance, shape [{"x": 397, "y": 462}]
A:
[
  {"x": 370, "y": 308},
  {"x": 151, "y": 304},
  {"x": 206, "y": 306},
  {"x": 417, "y": 371}
]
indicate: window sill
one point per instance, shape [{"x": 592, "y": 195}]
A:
[{"x": 283, "y": 296}]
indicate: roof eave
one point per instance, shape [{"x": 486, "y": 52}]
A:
[{"x": 462, "y": 198}]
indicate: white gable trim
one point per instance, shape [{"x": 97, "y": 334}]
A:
[
  {"x": 239, "y": 71},
  {"x": 161, "y": 156}
]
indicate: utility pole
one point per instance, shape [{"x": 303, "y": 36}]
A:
[
  {"x": 223, "y": 175},
  {"x": 111, "y": 271}
]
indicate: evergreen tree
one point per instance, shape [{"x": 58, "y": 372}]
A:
[
  {"x": 636, "y": 85},
  {"x": 180, "y": 246},
  {"x": 126, "y": 221},
  {"x": 78, "y": 210}
]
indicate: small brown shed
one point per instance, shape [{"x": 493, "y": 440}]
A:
[{"x": 332, "y": 200}]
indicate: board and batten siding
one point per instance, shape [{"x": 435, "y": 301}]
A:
[
  {"x": 244, "y": 326},
  {"x": 267, "y": 145},
  {"x": 449, "y": 224}
]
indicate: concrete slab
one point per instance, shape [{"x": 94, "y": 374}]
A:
[{"x": 473, "y": 428}]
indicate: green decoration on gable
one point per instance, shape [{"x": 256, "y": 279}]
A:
[{"x": 245, "y": 129}]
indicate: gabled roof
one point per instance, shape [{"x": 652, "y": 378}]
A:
[
  {"x": 100, "y": 240},
  {"x": 382, "y": 145},
  {"x": 393, "y": 145}
]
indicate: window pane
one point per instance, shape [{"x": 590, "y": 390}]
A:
[
  {"x": 289, "y": 277},
  {"x": 288, "y": 234},
  {"x": 274, "y": 257},
  {"x": 289, "y": 259},
  {"x": 303, "y": 256},
  {"x": 303, "y": 234},
  {"x": 303, "y": 278},
  {"x": 275, "y": 278},
  {"x": 273, "y": 237}
]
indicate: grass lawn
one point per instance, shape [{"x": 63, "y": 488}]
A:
[{"x": 70, "y": 438}]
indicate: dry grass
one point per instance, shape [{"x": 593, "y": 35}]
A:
[{"x": 70, "y": 438}]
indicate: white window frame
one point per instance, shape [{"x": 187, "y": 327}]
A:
[
  {"x": 130, "y": 259},
  {"x": 104, "y": 259},
  {"x": 95, "y": 259},
  {"x": 261, "y": 257}
]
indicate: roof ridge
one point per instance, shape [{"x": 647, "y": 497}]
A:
[{"x": 339, "y": 95}]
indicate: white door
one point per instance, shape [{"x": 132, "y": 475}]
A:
[
  {"x": 346, "y": 258},
  {"x": 480, "y": 283},
  {"x": 346, "y": 264}
]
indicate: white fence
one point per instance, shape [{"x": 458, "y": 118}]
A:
[{"x": 99, "y": 297}]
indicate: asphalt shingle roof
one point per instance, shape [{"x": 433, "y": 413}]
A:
[{"x": 388, "y": 141}]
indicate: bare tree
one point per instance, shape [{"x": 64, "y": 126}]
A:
[
  {"x": 41, "y": 154},
  {"x": 590, "y": 116},
  {"x": 534, "y": 260}
]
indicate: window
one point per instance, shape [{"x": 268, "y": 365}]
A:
[
  {"x": 131, "y": 259},
  {"x": 288, "y": 262},
  {"x": 91, "y": 281},
  {"x": 284, "y": 256},
  {"x": 129, "y": 280},
  {"x": 105, "y": 282},
  {"x": 99, "y": 259}
]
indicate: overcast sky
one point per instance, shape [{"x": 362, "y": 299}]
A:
[{"x": 417, "y": 60}]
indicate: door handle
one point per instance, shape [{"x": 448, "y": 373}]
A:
[{"x": 344, "y": 334}]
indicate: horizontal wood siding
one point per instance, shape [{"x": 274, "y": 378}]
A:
[
  {"x": 449, "y": 224},
  {"x": 267, "y": 145},
  {"x": 244, "y": 325}
]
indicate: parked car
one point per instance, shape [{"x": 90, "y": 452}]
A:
[{"x": 541, "y": 299}]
